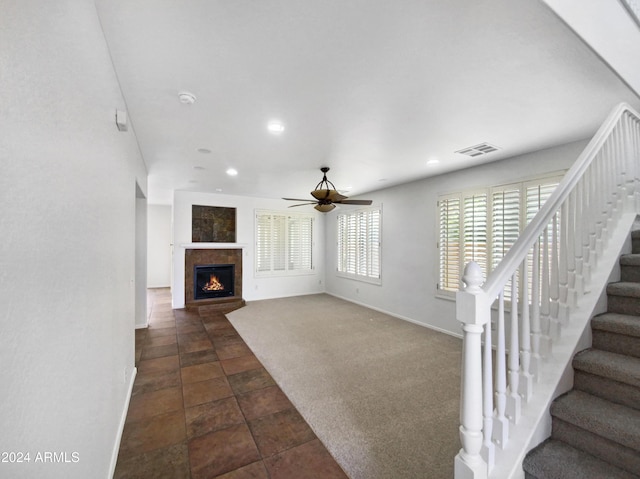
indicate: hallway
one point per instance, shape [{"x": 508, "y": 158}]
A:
[{"x": 204, "y": 407}]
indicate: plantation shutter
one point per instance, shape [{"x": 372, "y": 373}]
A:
[
  {"x": 474, "y": 225},
  {"x": 482, "y": 226},
  {"x": 300, "y": 243},
  {"x": 449, "y": 244},
  {"x": 373, "y": 240},
  {"x": 278, "y": 243},
  {"x": 342, "y": 243},
  {"x": 359, "y": 243},
  {"x": 536, "y": 196},
  {"x": 284, "y": 243},
  {"x": 263, "y": 243},
  {"x": 505, "y": 222}
]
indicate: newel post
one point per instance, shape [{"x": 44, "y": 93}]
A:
[{"x": 472, "y": 310}]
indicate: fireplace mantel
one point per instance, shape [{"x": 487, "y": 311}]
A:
[{"x": 213, "y": 245}]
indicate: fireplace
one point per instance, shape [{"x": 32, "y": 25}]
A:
[
  {"x": 227, "y": 264},
  {"x": 213, "y": 281}
]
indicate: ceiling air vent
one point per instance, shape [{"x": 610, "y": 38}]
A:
[{"x": 478, "y": 150}]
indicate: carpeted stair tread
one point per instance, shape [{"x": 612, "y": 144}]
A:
[
  {"x": 556, "y": 459},
  {"x": 630, "y": 259},
  {"x": 624, "y": 288},
  {"x": 612, "y": 421},
  {"x": 617, "y": 323},
  {"x": 618, "y": 367}
]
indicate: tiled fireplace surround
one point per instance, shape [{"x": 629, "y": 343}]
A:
[{"x": 207, "y": 256}]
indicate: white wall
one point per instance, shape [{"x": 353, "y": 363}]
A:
[
  {"x": 608, "y": 29},
  {"x": 67, "y": 216},
  {"x": 158, "y": 246},
  {"x": 409, "y": 237},
  {"x": 252, "y": 288}
]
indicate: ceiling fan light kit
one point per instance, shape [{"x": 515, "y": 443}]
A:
[
  {"x": 327, "y": 195},
  {"x": 325, "y": 208}
]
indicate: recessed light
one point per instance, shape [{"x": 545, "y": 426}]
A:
[
  {"x": 198, "y": 167},
  {"x": 186, "y": 98},
  {"x": 218, "y": 190},
  {"x": 275, "y": 127},
  {"x": 433, "y": 161},
  {"x": 204, "y": 151},
  {"x": 232, "y": 172}
]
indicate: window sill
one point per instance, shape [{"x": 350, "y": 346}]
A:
[
  {"x": 362, "y": 279},
  {"x": 284, "y": 274}
]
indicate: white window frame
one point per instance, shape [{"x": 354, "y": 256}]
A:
[
  {"x": 491, "y": 260},
  {"x": 371, "y": 270},
  {"x": 288, "y": 251}
]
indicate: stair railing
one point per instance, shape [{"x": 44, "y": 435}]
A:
[{"x": 551, "y": 264}]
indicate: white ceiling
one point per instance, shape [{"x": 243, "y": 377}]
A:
[{"x": 371, "y": 88}]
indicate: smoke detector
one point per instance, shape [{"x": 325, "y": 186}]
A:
[{"x": 186, "y": 98}]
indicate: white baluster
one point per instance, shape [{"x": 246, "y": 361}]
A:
[
  {"x": 586, "y": 230},
  {"x": 488, "y": 451},
  {"x": 609, "y": 190},
  {"x": 563, "y": 273},
  {"x": 545, "y": 339},
  {"x": 514, "y": 406},
  {"x": 554, "y": 293},
  {"x": 577, "y": 236},
  {"x": 501, "y": 423},
  {"x": 536, "y": 359},
  {"x": 620, "y": 176},
  {"x": 628, "y": 162},
  {"x": 525, "y": 388},
  {"x": 473, "y": 312},
  {"x": 635, "y": 156},
  {"x": 620, "y": 179},
  {"x": 572, "y": 296}
]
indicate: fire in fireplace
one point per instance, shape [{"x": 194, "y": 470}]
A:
[{"x": 213, "y": 281}]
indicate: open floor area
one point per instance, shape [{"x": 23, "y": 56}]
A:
[
  {"x": 281, "y": 388},
  {"x": 204, "y": 407}
]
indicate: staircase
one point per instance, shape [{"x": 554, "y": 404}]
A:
[{"x": 596, "y": 425}]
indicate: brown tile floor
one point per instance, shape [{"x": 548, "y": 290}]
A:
[{"x": 203, "y": 406}]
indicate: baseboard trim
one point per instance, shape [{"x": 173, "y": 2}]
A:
[
  {"x": 398, "y": 316},
  {"x": 116, "y": 447}
]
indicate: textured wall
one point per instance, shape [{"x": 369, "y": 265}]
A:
[{"x": 67, "y": 191}]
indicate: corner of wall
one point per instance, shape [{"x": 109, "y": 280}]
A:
[{"x": 123, "y": 418}]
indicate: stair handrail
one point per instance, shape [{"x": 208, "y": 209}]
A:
[
  {"x": 514, "y": 257},
  {"x": 600, "y": 175}
]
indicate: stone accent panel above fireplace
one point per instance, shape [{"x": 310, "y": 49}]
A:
[{"x": 213, "y": 224}]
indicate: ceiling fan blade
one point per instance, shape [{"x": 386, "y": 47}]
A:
[
  {"x": 354, "y": 202},
  {"x": 303, "y": 204},
  {"x": 296, "y": 199}
]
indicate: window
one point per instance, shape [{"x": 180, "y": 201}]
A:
[
  {"x": 284, "y": 243},
  {"x": 482, "y": 226},
  {"x": 359, "y": 244}
]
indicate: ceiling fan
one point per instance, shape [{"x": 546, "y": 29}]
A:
[{"x": 326, "y": 196}]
